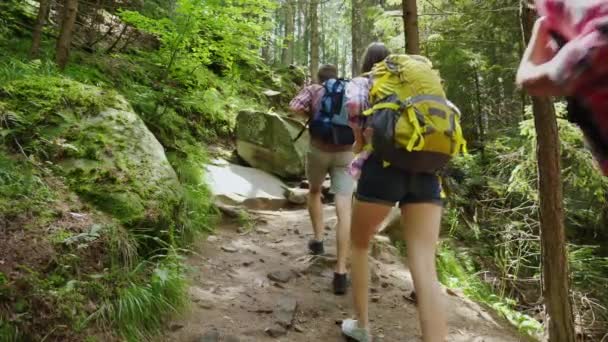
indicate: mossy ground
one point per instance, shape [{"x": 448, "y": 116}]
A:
[{"x": 94, "y": 233}]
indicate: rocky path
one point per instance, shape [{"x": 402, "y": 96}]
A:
[{"x": 261, "y": 285}]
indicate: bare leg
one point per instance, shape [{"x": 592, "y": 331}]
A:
[
  {"x": 421, "y": 232},
  {"x": 343, "y": 211},
  {"x": 365, "y": 221},
  {"x": 315, "y": 209}
]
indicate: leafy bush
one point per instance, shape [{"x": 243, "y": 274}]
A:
[{"x": 496, "y": 204}]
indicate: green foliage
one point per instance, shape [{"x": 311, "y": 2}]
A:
[
  {"x": 151, "y": 291},
  {"x": 456, "y": 270},
  {"x": 494, "y": 210},
  {"x": 212, "y": 32},
  {"x": 197, "y": 213},
  {"x": 8, "y": 332},
  {"x": 22, "y": 190}
]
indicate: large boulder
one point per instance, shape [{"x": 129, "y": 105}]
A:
[
  {"x": 265, "y": 141},
  {"x": 104, "y": 150},
  {"x": 234, "y": 185}
]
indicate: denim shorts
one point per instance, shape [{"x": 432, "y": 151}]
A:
[{"x": 389, "y": 185}]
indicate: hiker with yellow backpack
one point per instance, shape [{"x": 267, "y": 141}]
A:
[{"x": 406, "y": 131}]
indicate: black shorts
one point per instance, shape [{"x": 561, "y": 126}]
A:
[{"x": 389, "y": 185}]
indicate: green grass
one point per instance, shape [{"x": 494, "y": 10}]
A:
[
  {"x": 456, "y": 271},
  {"x": 141, "y": 306}
]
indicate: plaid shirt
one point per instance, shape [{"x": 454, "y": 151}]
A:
[
  {"x": 357, "y": 93},
  {"x": 308, "y": 99}
]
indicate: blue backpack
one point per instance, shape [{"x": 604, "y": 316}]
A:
[{"x": 330, "y": 123}]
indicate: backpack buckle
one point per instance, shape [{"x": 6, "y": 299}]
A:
[{"x": 405, "y": 104}]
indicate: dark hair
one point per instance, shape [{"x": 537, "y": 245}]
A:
[
  {"x": 326, "y": 72},
  {"x": 375, "y": 52}
]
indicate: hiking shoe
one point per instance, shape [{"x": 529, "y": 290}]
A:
[
  {"x": 350, "y": 329},
  {"x": 340, "y": 283},
  {"x": 316, "y": 247}
]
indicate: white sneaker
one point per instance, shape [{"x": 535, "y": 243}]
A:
[{"x": 351, "y": 329}]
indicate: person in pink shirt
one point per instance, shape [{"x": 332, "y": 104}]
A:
[{"x": 568, "y": 56}]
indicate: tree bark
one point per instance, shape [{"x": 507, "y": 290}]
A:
[
  {"x": 410, "y": 25},
  {"x": 64, "y": 41},
  {"x": 288, "y": 40},
  {"x": 356, "y": 43},
  {"x": 43, "y": 14},
  {"x": 314, "y": 39},
  {"x": 481, "y": 132},
  {"x": 306, "y": 38},
  {"x": 558, "y": 305}
]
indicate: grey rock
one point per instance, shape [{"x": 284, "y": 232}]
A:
[
  {"x": 265, "y": 141},
  {"x": 275, "y": 331},
  {"x": 211, "y": 336},
  {"x": 286, "y": 311},
  {"x": 281, "y": 276},
  {"x": 229, "y": 249}
]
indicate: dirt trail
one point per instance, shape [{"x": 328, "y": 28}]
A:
[{"x": 234, "y": 299}]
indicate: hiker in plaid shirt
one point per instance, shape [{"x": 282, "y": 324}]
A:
[{"x": 323, "y": 158}]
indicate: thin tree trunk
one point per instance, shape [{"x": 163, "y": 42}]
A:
[
  {"x": 64, "y": 41},
  {"x": 481, "y": 132},
  {"x": 410, "y": 25},
  {"x": 306, "y": 37},
  {"x": 356, "y": 44},
  {"x": 314, "y": 39},
  {"x": 322, "y": 47},
  {"x": 43, "y": 14},
  {"x": 288, "y": 40},
  {"x": 559, "y": 320}
]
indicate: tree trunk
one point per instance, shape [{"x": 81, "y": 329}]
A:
[
  {"x": 410, "y": 25},
  {"x": 43, "y": 14},
  {"x": 481, "y": 132},
  {"x": 322, "y": 36},
  {"x": 64, "y": 41},
  {"x": 356, "y": 45},
  {"x": 306, "y": 43},
  {"x": 559, "y": 318},
  {"x": 288, "y": 41},
  {"x": 314, "y": 39}
]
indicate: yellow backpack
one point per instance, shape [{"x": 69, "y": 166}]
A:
[{"x": 415, "y": 127}]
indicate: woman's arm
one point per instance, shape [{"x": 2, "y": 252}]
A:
[{"x": 536, "y": 64}]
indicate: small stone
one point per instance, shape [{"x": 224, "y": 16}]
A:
[
  {"x": 262, "y": 231},
  {"x": 276, "y": 331},
  {"x": 210, "y": 336},
  {"x": 231, "y": 338},
  {"x": 175, "y": 326},
  {"x": 298, "y": 328},
  {"x": 296, "y": 231},
  {"x": 212, "y": 238},
  {"x": 385, "y": 285},
  {"x": 280, "y": 276},
  {"x": 375, "y": 299},
  {"x": 278, "y": 241},
  {"x": 229, "y": 249},
  {"x": 262, "y": 261},
  {"x": 285, "y": 311},
  {"x": 285, "y": 253},
  {"x": 373, "y": 290},
  {"x": 327, "y": 228},
  {"x": 205, "y": 305},
  {"x": 247, "y": 263}
]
